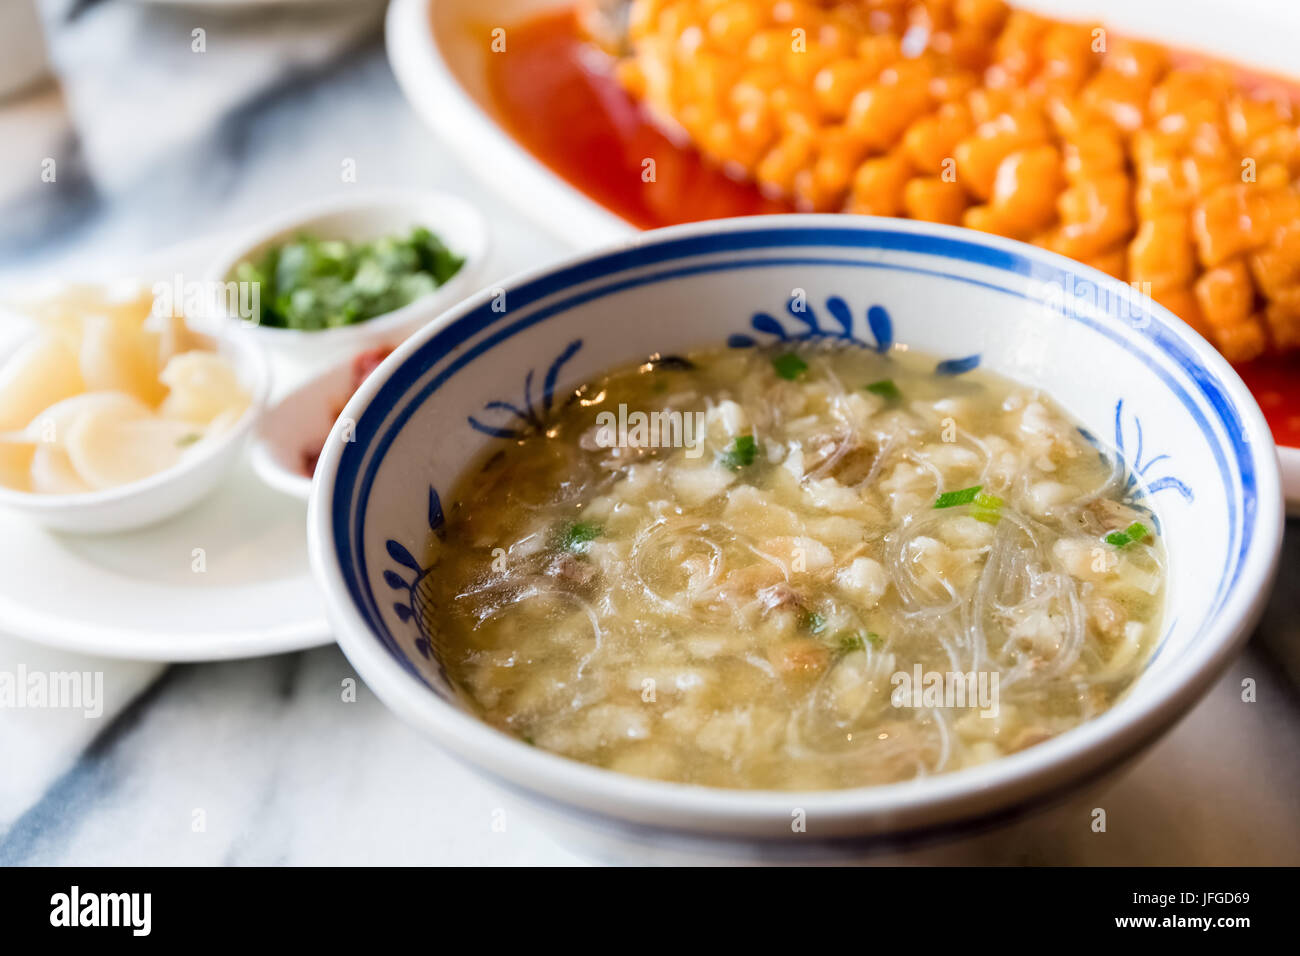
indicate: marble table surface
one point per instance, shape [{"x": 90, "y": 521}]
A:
[{"x": 264, "y": 762}]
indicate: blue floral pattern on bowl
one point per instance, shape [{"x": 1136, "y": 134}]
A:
[
  {"x": 416, "y": 591},
  {"x": 1136, "y": 486},
  {"x": 531, "y": 418},
  {"x": 810, "y": 329}
]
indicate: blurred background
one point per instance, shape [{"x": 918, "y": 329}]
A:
[{"x": 132, "y": 126}]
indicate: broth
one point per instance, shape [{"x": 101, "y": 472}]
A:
[{"x": 823, "y": 568}]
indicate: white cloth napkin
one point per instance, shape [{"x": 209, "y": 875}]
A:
[{"x": 141, "y": 79}]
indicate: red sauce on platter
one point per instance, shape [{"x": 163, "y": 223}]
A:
[
  {"x": 1275, "y": 383},
  {"x": 555, "y": 95}
]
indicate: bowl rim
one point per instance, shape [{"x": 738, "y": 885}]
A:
[
  {"x": 251, "y": 362},
  {"x": 939, "y": 799},
  {"x": 303, "y": 215}
]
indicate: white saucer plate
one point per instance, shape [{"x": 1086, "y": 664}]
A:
[{"x": 226, "y": 579}]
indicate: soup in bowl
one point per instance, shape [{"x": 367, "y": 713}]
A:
[{"x": 794, "y": 526}]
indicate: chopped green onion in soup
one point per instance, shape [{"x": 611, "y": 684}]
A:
[
  {"x": 886, "y": 388},
  {"x": 789, "y": 366}
]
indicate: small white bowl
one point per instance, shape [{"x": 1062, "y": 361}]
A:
[
  {"x": 167, "y": 492},
  {"x": 1138, "y": 379},
  {"x": 299, "y": 421},
  {"x": 365, "y": 216}
]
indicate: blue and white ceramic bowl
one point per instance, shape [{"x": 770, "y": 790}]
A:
[{"x": 1197, "y": 450}]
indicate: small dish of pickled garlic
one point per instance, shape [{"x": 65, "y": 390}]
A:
[{"x": 114, "y": 416}]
